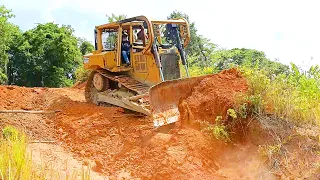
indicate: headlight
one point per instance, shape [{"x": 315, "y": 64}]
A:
[{"x": 85, "y": 60}]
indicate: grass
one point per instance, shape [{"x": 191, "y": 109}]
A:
[
  {"x": 82, "y": 74},
  {"x": 272, "y": 154},
  {"x": 295, "y": 96},
  {"x": 16, "y": 162},
  {"x": 219, "y": 130}
]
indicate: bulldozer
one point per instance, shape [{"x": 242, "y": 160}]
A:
[{"x": 151, "y": 82}]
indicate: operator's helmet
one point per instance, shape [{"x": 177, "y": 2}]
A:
[{"x": 124, "y": 36}]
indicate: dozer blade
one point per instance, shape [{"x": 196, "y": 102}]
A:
[{"x": 165, "y": 97}]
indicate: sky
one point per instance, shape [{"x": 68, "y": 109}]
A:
[{"x": 283, "y": 29}]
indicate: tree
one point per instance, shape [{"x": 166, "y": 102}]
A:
[
  {"x": 224, "y": 59},
  {"x": 6, "y": 36},
  {"x": 199, "y": 46},
  {"x": 81, "y": 74},
  {"x": 85, "y": 46},
  {"x": 46, "y": 55},
  {"x": 114, "y": 18}
]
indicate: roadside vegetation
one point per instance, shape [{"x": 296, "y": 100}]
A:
[
  {"x": 16, "y": 161},
  {"x": 294, "y": 96}
]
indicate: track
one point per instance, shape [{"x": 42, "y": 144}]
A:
[{"x": 121, "y": 90}]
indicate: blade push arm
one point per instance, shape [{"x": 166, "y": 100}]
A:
[{"x": 173, "y": 29}]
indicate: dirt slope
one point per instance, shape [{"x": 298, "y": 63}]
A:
[
  {"x": 125, "y": 146},
  {"x": 215, "y": 95}
]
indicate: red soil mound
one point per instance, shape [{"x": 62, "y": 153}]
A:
[
  {"x": 214, "y": 95},
  {"x": 80, "y": 85},
  {"x": 14, "y": 97}
]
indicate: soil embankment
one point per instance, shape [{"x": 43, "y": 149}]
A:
[
  {"x": 214, "y": 95},
  {"x": 123, "y": 146}
]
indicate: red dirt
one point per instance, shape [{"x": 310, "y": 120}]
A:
[
  {"x": 213, "y": 96},
  {"x": 124, "y": 146},
  {"x": 14, "y": 97},
  {"x": 80, "y": 85}
]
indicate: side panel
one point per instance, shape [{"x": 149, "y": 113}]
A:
[
  {"x": 110, "y": 60},
  {"x": 106, "y": 60},
  {"x": 145, "y": 69}
]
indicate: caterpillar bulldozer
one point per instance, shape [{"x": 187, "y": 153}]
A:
[{"x": 152, "y": 82}]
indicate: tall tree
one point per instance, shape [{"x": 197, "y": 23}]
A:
[
  {"x": 114, "y": 18},
  {"x": 85, "y": 46},
  {"x": 46, "y": 55},
  {"x": 6, "y": 36},
  {"x": 199, "y": 47}
]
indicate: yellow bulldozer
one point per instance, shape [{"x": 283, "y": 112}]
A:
[{"x": 138, "y": 63}]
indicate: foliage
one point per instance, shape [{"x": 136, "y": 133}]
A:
[
  {"x": 271, "y": 153},
  {"x": 82, "y": 74},
  {"x": 85, "y": 46},
  {"x": 232, "y": 113},
  {"x": 199, "y": 46},
  {"x": 6, "y": 37},
  {"x": 195, "y": 70},
  {"x": 46, "y": 55},
  {"x": 219, "y": 131},
  {"x": 115, "y": 18},
  {"x": 15, "y": 163},
  {"x": 294, "y": 96},
  {"x": 251, "y": 58}
]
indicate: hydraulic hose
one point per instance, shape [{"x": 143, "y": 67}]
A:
[
  {"x": 157, "y": 59},
  {"x": 180, "y": 49}
]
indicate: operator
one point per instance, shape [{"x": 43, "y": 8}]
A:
[{"x": 125, "y": 48}]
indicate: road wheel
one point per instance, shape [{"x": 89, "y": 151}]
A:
[{"x": 99, "y": 82}]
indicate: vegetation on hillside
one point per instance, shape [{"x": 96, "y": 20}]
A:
[
  {"x": 294, "y": 95},
  {"x": 44, "y": 56},
  {"x": 16, "y": 161}
]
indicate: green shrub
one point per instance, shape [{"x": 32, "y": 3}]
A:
[
  {"x": 294, "y": 96},
  {"x": 219, "y": 131},
  {"x": 14, "y": 161},
  {"x": 232, "y": 113},
  {"x": 82, "y": 74}
]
